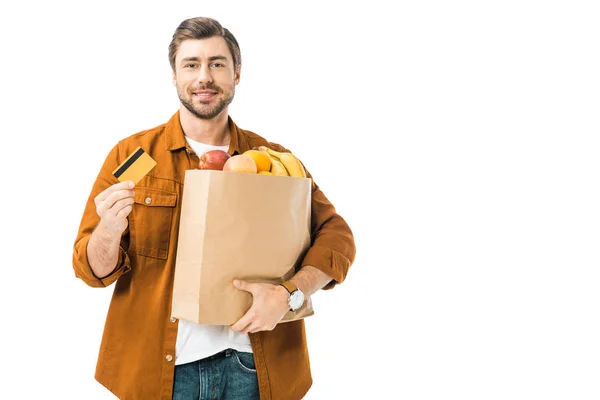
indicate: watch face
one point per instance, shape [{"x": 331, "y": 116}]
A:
[{"x": 296, "y": 300}]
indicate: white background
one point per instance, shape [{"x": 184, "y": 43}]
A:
[{"x": 459, "y": 140}]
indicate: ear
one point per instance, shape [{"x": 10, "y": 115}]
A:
[
  {"x": 174, "y": 78},
  {"x": 238, "y": 72}
]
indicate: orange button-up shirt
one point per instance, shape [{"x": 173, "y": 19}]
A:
[{"x": 136, "y": 360}]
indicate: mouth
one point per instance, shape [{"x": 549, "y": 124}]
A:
[{"x": 204, "y": 94}]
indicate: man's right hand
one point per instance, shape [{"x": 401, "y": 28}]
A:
[{"x": 114, "y": 205}]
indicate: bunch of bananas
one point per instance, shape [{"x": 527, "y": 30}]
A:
[{"x": 284, "y": 164}]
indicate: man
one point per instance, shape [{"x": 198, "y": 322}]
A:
[{"x": 128, "y": 235}]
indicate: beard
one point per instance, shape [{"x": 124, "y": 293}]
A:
[{"x": 203, "y": 110}]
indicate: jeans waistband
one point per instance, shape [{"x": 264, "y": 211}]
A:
[{"x": 221, "y": 354}]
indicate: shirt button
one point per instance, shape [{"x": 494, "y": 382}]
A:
[
  {"x": 148, "y": 200},
  {"x": 173, "y": 319},
  {"x": 169, "y": 358}
]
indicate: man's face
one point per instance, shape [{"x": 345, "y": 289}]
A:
[{"x": 205, "y": 76}]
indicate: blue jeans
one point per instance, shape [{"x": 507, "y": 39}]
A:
[{"x": 228, "y": 375}]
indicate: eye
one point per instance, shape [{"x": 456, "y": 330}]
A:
[
  {"x": 190, "y": 65},
  {"x": 218, "y": 65}
]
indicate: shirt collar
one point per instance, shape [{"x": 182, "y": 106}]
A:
[{"x": 176, "y": 138}]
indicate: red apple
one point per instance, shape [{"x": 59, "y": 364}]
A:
[
  {"x": 240, "y": 163},
  {"x": 214, "y": 159}
]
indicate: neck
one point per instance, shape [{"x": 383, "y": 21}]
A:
[{"x": 208, "y": 131}]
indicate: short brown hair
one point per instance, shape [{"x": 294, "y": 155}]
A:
[{"x": 203, "y": 28}]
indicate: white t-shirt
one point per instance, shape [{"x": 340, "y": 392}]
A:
[{"x": 197, "y": 341}]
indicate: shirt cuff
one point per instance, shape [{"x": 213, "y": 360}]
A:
[
  {"x": 83, "y": 270},
  {"x": 328, "y": 261}
]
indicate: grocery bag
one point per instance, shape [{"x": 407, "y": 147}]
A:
[{"x": 236, "y": 225}]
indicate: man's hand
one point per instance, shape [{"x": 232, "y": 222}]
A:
[
  {"x": 113, "y": 206},
  {"x": 269, "y": 305}
]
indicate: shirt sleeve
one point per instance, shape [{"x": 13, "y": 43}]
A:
[
  {"x": 333, "y": 249},
  {"x": 332, "y": 242},
  {"x": 89, "y": 221}
]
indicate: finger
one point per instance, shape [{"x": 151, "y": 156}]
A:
[
  {"x": 103, "y": 208},
  {"x": 122, "y": 208},
  {"x": 119, "y": 195},
  {"x": 124, "y": 212},
  {"x": 116, "y": 187},
  {"x": 243, "y": 322},
  {"x": 259, "y": 326},
  {"x": 252, "y": 328},
  {"x": 121, "y": 204},
  {"x": 239, "y": 326},
  {"x": 245, "y": 286},
  {"x": 113, "y": 199},
  {"x": 255, "y": 330},
  {"x": 248, "y": 327}
]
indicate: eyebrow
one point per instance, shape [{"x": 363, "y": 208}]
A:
[{"x": 213, "y": 58}]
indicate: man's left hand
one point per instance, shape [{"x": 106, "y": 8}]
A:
[{"x": 269, "y": 305}]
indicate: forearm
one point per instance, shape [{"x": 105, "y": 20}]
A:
[
  {"x": 103, "y": 251},
  {"x": 310, "y": 280}
]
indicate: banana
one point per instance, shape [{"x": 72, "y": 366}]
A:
[
  {"x": 293, "y": 165},
  {"x": 289, "y": 161},
  {"x": 277, "y": 168},
  {"x": 273, "y": 153},
  {"x": 264, "y": 149}
]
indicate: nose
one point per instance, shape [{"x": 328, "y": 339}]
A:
[{"x": 204, "y": 74}]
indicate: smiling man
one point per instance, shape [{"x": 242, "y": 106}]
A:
[
  {"x": 206, "y": 75},
  {"x": 128, "y": 236}
]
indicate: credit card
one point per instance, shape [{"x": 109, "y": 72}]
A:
[{"x": 135, "y": 167}]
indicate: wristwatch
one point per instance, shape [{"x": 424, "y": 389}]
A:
[{"x": 296, "y": 296}]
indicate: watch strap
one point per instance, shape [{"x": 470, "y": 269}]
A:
[{"x": 289, "y": 286}]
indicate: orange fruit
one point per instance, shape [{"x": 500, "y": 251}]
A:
[
  {"x": 262, "y": 160},
  {"x": 265, "y": 173}
]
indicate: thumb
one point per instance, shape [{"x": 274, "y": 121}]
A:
[{"x": 242, "y": 285}]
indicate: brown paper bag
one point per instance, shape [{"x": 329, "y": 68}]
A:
[{"x": 237, "y": 226}]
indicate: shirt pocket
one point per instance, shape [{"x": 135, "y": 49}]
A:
[{"x": 152, "y": 218}]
